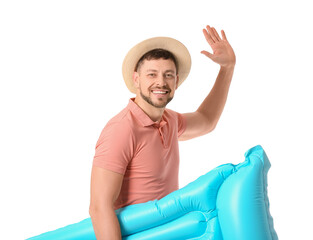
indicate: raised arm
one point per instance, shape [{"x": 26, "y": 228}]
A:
[
  {"x": 206, "y": 117},
  {"x": 105, "y": 188}
]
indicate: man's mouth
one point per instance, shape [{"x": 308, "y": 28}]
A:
[{"x": 160, "y": 91}]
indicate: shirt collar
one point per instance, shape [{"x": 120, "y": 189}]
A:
[{"x": 141, "y": 116}]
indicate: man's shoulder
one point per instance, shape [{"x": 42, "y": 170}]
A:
[
  {"x": 171, "y": 113},
  {"x": 120, "y": 117},
  {"x": 120, "y": 120},
  {"x": 117, "y": 128}
]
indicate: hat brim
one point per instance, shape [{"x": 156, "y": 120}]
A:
[{"x": 180, "y": 52}]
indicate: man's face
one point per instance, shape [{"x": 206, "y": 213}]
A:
[{"x": 156, "y": 81}]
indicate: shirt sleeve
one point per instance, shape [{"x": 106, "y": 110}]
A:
[
  {"x": 181, "y": 121},
  {"x": 114, "y": 148}
]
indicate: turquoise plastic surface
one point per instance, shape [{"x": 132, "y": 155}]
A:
[{"x": 228, "y": 203}]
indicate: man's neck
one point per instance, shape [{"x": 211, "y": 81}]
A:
[{"x": 155, "y": 114}]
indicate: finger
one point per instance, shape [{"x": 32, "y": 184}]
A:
[
  {"x": 216, "y": 34},
  {"x": 208, "y": 37},
  {"x": 211, "y": 32},
  {"x": 224, "y": 35},
  {"x": 209, "y": 55}
]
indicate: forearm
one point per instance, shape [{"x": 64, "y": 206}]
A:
[
  {"x": 213, "y": 105},
  {"x": 106, "y": 225}
]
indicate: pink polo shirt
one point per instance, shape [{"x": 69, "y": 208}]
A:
[{"x": 145, "y": 152}]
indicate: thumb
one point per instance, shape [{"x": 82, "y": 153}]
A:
[{"x": 209, "y": 55}]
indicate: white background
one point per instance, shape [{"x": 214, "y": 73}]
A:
[{"x": 61, "y": 81}]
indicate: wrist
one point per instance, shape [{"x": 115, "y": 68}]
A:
[{"x": 228, "y": 67}]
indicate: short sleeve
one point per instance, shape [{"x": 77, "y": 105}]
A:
[
  {"x": 114, "y": 148},
  {"x": 181, "y": 121},
  {"x": 178, "y": 119}
]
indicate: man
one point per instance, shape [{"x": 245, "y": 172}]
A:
[{"x": 136, "y": 157}]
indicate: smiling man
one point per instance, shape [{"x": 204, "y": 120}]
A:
[
  {"x": 152, "y": 71},
  {"x": 137, "y": 157},
  {"x": 156, "y": 79}
]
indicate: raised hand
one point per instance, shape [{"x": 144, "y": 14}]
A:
[{"x": 223, "y": 54}]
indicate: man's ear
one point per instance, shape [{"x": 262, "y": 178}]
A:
[
  {"x": 177, "y": 81},
  {"x": 136, "y": 79}
]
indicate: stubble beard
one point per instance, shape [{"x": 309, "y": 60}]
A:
[{"x": 148, "y": 100}]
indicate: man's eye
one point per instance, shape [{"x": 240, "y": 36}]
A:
[
  {"x": 169, "y": 75},
  {"x": 151, "y": 74}
]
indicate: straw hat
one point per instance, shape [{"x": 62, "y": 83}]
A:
[{"x": 180, "y": 52}]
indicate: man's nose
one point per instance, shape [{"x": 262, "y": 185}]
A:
[{"x": 161, "y": 81}]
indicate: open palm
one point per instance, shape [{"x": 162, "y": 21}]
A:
[{"x": 223, "y": 54}]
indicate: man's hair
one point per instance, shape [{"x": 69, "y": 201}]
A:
[{"x": 157, "y": 53}]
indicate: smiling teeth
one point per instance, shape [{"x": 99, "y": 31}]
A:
[{"x": 159, "y": 92}]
